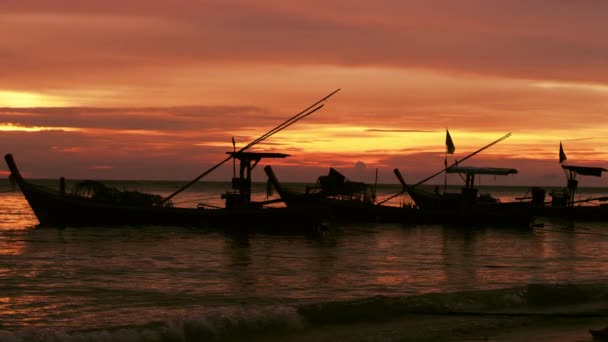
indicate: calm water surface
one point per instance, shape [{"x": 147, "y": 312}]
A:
[{"x": 93, "y": 278}]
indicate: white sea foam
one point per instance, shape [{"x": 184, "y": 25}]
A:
[{"x": 218, "y": 324}]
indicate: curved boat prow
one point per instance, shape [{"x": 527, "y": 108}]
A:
[{"x": 13, "y": 168}]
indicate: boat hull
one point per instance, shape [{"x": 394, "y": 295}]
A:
[
  {"x": 53, "y": 208},
  {"x": 346, "y": 210},
  {"x": 578, "y": 213}
]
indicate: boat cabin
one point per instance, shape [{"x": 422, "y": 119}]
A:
[
  {"x": 336, "y": 185},
  {"x": 472, "y": 171},
  {"x": 469, "y": 193},
  {"x": 566, "y": 199},
  {"x": 241, "y": 183}
]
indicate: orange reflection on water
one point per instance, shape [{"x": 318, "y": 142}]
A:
[
  {"x": 11, "y": 247},
  {"x": 15, "y": 214}
]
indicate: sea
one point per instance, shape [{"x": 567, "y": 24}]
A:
[{"x": 152, "y": 283}]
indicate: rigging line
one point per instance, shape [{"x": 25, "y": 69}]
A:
[
  {"x": 189, "y": 201},
  {"x": 280, "y": 127},
  {"x": 198, "y": 196},
  {"x": 287, "y": 122},
  {"x": 447, "y": 168},
  {"x": 285, "y": 126},
  {"x": 463, "y": 159},
  {"x": 195, "y": 201},
  {"x": 384, "y": 196},
  {"x": 187, "y": 185},
  {"x": 209, "y": 206}
]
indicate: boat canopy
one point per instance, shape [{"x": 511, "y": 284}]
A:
[
  {"x": 474, "y": 170},
  {"x": 585, "y": 170},
  {"x": 257, "y": 155}
]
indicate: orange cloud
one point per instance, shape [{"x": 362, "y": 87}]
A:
[
  {"x": 507, "y": 39},
  {"x": 101, "y": 167}
]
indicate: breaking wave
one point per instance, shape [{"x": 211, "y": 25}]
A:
[{"x": 247, "y": 322}]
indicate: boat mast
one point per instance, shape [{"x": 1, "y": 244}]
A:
[{"x": 242, "y": 184}]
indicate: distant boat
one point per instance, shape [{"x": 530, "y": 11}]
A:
[
  {"x": 337, "y": 197},
  {"x": 564, "y": 204},
  {"x": 467, "y": 198},
  {"x": 344, "y": 200},
  {"x": 100, "y": 206},
  {"x": 468, "y": 204}
]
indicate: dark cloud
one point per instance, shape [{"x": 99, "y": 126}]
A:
[{"x": 539, "y": 40}]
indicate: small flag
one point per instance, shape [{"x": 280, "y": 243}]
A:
[
  {"x": 562, "y": 155},
  {"x": 449, "y": 143},
  {"x": 233, "y": 143}
]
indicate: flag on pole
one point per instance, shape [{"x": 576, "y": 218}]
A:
[
  {"x": 449, "y": 143},
  {"x": 562, "y": 155},
  {"x": 233, "y": 142}
]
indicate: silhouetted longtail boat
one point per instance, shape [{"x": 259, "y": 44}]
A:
[
  {"x": 347, "y": 200},
  {"x": 468, "y": 197},
  {"x": 353, "y": 201},
  {"x": 565, "y": 205},
  {"x": 339, "y": 198},
  {"x": 104, "y": 206},
  {"x": 59, "y": 208},
  {"x": 468, "y": 202}
]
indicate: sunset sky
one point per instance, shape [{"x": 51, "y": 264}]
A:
[{"x": 150, "y": 89}]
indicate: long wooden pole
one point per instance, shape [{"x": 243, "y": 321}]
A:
[
  {"x": 297, "y": 117},
  {"x": 446, "y": 168},
  {"x": 290, "y": 121}
]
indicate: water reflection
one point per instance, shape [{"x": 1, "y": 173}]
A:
[
  {"x": 239, "y": 259},
  {"x": 99, "y": 276},
  {"x": 458, "y": 251},
  {"x": 15, "y": 212}
]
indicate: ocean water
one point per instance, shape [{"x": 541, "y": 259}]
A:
[{"x": 183, "y": 284}]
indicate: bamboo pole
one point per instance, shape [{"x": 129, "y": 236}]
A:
[
  {"x": 297, "y": 117},
  {"x": 446, "y": 168}
]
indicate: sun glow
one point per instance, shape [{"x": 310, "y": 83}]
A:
[
  {"x": 10, "y": 127},
  {"x": 573, "y": 86},
  {"x": 27, "y": 99}
]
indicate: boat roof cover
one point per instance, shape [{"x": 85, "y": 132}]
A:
[
  {"x": 481, "y": 170},
  {"x": 257, "y": 155},
  {"x": 585, "y": 170}
]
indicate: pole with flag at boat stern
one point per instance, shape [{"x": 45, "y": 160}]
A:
[
  {"x": 572, "y": 183},
  {"x": 233, "y": 159},
  {"x": 562, "y": 155},
  {"x": 449, "y": 149}
]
